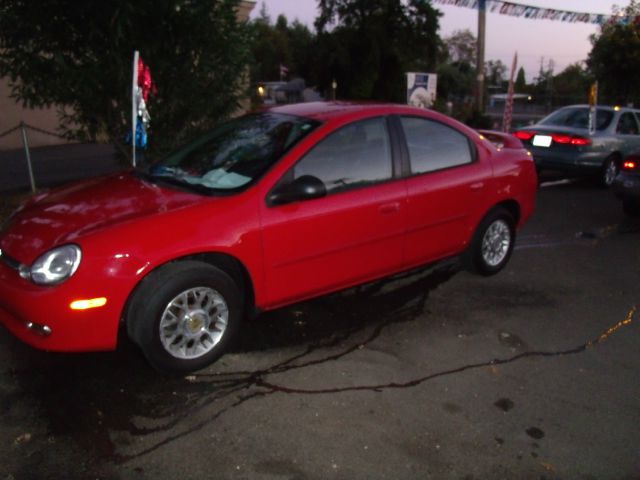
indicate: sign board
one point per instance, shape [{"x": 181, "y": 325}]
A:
[{"x": 421, "y": 89}]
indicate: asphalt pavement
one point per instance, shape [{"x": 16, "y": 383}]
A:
[{"x": 439, "y": 374}]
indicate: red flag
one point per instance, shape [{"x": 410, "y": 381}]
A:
[{"x": 145, "y": 82}]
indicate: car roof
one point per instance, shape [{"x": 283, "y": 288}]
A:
[
  {"x": 340, "y": 111},
  {"x": 335, "y": 109},
  {"x": 602, "y": 107}
]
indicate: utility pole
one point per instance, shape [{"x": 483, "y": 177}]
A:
[{"x": 482, "y": 11}]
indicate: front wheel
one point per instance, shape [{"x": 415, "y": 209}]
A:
[
  {"x": 492, "y": 243},
  {"x": 184, "y": 316}
]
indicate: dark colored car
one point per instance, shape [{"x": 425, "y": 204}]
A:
[
  {"x": 561, "y": 141},
  {"x": 264, "y": 211},
  {"x": 627, "y": 185}
]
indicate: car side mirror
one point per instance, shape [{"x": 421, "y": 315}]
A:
[{"x": 306, "y": 187}]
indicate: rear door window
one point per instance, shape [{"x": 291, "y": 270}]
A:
[
  {"x": 434, "y": 146},
  {"x": 627, "y": 125}
]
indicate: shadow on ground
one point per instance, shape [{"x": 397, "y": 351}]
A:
[{"x": 85, "y": 398}]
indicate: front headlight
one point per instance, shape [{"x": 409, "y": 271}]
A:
[{"x": 56, "y": 265}]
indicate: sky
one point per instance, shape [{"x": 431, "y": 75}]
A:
[{"x": 564, "y": 43}]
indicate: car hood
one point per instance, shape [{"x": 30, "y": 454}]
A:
[{"x": 66, "y": 214}]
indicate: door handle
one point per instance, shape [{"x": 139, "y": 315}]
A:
[
  {"x": 389, "y": 208},
  {"x": 477, "y": 186}
]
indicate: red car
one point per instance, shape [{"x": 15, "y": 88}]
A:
[{"x": 266, "y": 210}]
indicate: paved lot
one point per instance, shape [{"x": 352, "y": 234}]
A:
[{"x": 530, "y": 374}]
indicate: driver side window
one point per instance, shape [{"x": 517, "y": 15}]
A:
[{"x": 356, "y": 155}]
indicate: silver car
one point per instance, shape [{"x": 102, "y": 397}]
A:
[{"x": 561, "y": 141}]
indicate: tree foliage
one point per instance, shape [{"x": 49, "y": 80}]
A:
[
  {"x": 461, "y": 47},
  {"x": 79, "y": 55},
  {"x": 283, "y": 43},
  {"x": 495, "y": 72},
  {"x": 367, "y": 46},
  {"x": 614, "y": 59},
  {"x": 572, "y": 84},
  {"x": 521, "y": 81}
]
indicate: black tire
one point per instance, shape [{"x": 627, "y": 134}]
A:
[
  {"x": 492, "y": 243},
  {"x": 609, "y": 171},
  {"x": 203, "y": 302},
  {"x": 631, "y": 207}
]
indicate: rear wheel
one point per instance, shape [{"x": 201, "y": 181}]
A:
[
  {"x": 609, "y": 171},
  {"x": 185, "y": 315},
  {"x": 492, "y": 243}
]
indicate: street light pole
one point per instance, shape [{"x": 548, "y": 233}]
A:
[{"x": 482, "y": 11}]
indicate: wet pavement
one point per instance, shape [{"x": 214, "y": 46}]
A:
[{"x": 530, "y": 374}]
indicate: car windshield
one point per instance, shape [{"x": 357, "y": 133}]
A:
[
  {"x": 234, "y": 154},
  {"x": 578, "y": 117}
]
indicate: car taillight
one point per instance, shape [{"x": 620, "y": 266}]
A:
[
  {"x": 564, "y": 139},
  {"x": 631, "y": 163},
  {"x": 580, "y": 141},
  {"x": 524, "y": 135}
]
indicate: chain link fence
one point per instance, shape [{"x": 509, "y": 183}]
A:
[
  {"x": 23, "y": 127},
  {"x": 33, "y": 159}
]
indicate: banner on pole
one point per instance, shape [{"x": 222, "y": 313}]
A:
[
  {"x": 134, "y": 107},
  {"x": 142, "y": 87},
  {"x": 421, "y": 89}
]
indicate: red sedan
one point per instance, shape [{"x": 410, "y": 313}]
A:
[{"x": 264, "y": 211}]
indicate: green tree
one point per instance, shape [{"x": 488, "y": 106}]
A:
[
  {"x": 367, "y": 46},
  {"x": 457, "y": 68},
  {"x": 302, "y": 43},
  {"x": 543, "y": 84},
  {"x": 614, "y": 59},
  {"x": 495, "y": 73},
  {"x": 270, "y": 47},
  {"x": 288, "y": 44},
  {"x": 572, "y": 84},
  {"x": 457, "y": 71},
  {"x": 521, "y": 81},
  {"x": 78, "y": 55},
  {"x": 461, "y": 47},
  {"x": 455, "y": 81}
]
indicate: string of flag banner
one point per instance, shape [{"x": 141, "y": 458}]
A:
[{"x": 542, "y": 13}]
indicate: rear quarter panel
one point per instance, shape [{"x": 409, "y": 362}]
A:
[{"x": 515, "y": 178}]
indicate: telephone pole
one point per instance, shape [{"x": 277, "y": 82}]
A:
[{"x": 482, "y": 11}]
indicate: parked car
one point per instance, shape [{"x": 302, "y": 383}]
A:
[
  {"x": 627, "y": 185},
  {"x": 561, "y": 141},
  {"x": 266, "y": 210}
]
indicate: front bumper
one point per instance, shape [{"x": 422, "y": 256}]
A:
[{"x": 42, "y": 316}]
